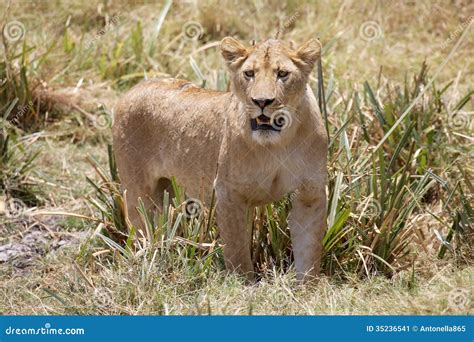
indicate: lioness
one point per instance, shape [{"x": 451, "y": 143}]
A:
[{"x": 263, "y": 139}]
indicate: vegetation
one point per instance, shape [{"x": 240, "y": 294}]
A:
[{"x": 400, "y": 190}]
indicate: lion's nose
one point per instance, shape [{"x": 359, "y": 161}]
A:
[{"x": 262, "y": 103}]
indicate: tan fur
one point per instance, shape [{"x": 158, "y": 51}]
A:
[{"x": 165, "y": 128}]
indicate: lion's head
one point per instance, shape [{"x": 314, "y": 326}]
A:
[{"x": 269, "y": 79}]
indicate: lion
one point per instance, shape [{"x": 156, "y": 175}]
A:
[{"x": 254, "y": 144}]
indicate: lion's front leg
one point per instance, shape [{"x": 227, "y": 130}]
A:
[
  {"x": 307, "y": 223},
  {"x": 231, "y": 212}
]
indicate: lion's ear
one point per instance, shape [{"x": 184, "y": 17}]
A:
[
  {"x": 233, "y": 51},
  {"x": 308, "y": 53}
]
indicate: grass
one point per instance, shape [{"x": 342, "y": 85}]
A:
[
  {"x": 141, "y": 287},
  {"x": 399, "y": 212}
]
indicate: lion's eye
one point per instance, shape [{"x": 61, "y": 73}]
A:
[
  {"x": 249, "y": 73},
  {"x": 283, "y": 74}
]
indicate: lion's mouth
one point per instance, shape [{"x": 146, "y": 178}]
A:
[{"x": 262, "y": 122}]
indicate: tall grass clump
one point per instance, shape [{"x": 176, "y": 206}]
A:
[{"x": 375, "y": 193}]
